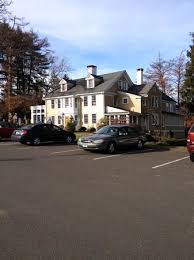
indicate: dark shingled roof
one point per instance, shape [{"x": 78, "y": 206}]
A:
[
  {"x": 107, "y": 81},
  {"x": 167, "y": 98},
  {"x": 141, "y": 89}
]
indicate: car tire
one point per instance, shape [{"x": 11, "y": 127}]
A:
[
  {"x": 68, "y": 139},
  {"x": 140, "y": 144},
  {"x": 111, "y": 148},
  {"x": 35, "y": 141},
  {"x": 23, "y": 142},
  {"x": 192, "y": 157}
]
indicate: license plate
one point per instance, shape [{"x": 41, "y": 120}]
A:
[{"x": 84, "y": 145}]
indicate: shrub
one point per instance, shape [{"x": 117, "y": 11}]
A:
[
  {"x": 92, "y": 129},
  {"x": 102, "y": 122},
  {"x": 82, "y": 129},
  {"x": 70, "y": 126}
]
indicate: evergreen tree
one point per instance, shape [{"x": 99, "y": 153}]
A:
[{"x": 188, "y": 87}]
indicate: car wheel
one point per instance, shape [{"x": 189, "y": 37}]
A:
[
  {"x": 192, "y": 157},
  {"x": 68, "y": 139},
  {"x": 36, "y": 141},
  {"x": 111, "y": 148},
  {"x": 140, "y": 144}
]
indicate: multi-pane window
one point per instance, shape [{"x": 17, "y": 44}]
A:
[
  {"x": 85, "y": 118},
  {"x": 125, "y": 100},
  {"x": 52, "y": 103},
  {"x": 59, "y": 120},
  {"x": 34, "y": 111},
  {"x": 90, "y": 83},
  {"x": 76, "y": 117},
  {"x": 93, "y": 118},
  {"x": 93, "y": 100},
  {"x": 42, "y": 118},
  {"x": 123, "y": 85},
  {"x": 34, "y": 119},
  {"x": 75, "y": 102},
  {"x": 85, "y": 101},
  {"x": 53, "y": 119},
  {"x": 144, "y": 102},
  {"x": 167, "y": 107},
  {"x": 66, "y": 102},
  {"x": 38, "y": 118},
  {"x": 155, "y": 101},
  {"x": 59, "y": 103},
  {"x": 155, "y": 119}
]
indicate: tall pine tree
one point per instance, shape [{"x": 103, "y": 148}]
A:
[{"x": 188, "y": 87}]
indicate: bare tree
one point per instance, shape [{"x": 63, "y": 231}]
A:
[
  {"x": 59, "y": 69},
  {"x": 178, "y": 73},
  {"x": 4, "y": 4},
  {"x": 160, "y": 72}
]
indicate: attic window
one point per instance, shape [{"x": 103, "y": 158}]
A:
[
  {"x": 90, "y": 83},
  {"x": 123, "y": 85}
]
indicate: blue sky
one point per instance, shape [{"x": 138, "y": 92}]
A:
[{"x": 112, "y": 34}]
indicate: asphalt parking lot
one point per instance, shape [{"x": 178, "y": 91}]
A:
[{"x": 60, "y": 202}]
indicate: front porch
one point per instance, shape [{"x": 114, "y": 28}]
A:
[{"x": 119, "y": 116}]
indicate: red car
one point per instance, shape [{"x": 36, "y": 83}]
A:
[
  {"x": 190, "y": 143},
  {"x": 5, "y": 131}
]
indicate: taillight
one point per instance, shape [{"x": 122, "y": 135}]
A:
[{"x": 24, "y": 132}]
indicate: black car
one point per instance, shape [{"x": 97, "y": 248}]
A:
[
  {"x": 42, "y": 133},
  {"x": 110, "y": 138}
]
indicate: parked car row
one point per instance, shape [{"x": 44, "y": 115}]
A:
[{"x": 107, "y": 139}]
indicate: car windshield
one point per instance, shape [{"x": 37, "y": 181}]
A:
[{"x": 108, "y": 131}]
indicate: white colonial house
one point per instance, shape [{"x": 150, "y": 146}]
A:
[{"x": 113, "y": 95}]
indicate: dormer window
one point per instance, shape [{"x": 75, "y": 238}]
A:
[
  {"x": 63, "y": 85},
  {"x": 90, "y": 81}
]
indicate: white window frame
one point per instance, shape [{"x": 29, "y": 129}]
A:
[
  {"x": 76, "y": 102},
  {"x": 85, "y": 118},
  {"x": 66, "y": 102},
  {"x": 59, "y": 120},
  {"x": 52, "y": 103},
  {"x": 90, "y": 83},
  {"x": 93, "y": 118},
  {"x": 59, "y": 103},
  {"x": 85, "y": 101},
  {"x": 125, "y": 98},
  {"x": 93, "y": 100},
  {"x": 53, "y": 119}
]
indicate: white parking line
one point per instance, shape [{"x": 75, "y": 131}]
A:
[
  {"x": 106, "y": 157},
  {"x": 164, "y": 164},
  {"x": 66, "y": 151}
]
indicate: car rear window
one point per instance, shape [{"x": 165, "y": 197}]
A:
[
  {"x": 27, "y": 127},
  {"x": 192, "y": 129}
]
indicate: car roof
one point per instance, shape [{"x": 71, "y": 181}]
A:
[{"x": 119, "y": 126}]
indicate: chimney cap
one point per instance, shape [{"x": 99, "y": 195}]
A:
[
  {"x": 140, "y": 69},
  {"x": 93, "y": 66}
]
